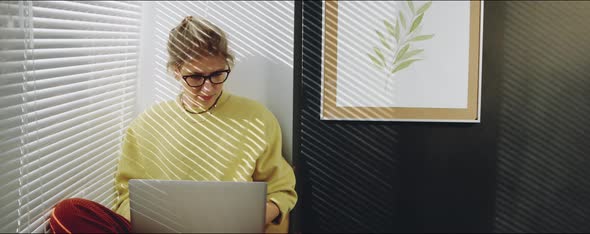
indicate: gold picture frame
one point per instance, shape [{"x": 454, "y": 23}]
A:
[{"x": 331, "y": 111}]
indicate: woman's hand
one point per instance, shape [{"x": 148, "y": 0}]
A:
[{"x": 272, "y": 211}]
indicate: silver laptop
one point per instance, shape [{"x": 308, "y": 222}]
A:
[{"x": 191, "y": 206}]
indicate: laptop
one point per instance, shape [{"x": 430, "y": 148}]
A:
[{"x": 193, "y": 206}]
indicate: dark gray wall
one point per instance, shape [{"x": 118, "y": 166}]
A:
[
  {"x": 525, "y": 168},
  {"x": 541, "y": 61}
]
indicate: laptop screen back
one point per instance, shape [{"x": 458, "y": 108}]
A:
[{"x": 191, "y": 206}]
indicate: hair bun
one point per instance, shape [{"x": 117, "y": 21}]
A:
[
  {"x": 193, "y": 38},
  {"x": 187, "y": 19}
]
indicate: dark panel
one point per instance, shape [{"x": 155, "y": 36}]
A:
[
  {"x": 347, "y": 171},
  {"x": 295, "y": 218},
  {"x": 544, "y": 139}
]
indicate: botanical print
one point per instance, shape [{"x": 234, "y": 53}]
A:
[
  {"x": 396, "y": 52},
  {"x": 401, "y": 60}
]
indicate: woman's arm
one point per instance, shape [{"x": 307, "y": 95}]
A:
[
  {"x": 272, "y": 212},
  {"x": 272, "y": 168}
]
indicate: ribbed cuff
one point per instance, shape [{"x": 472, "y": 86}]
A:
[{"x": 278, "y": 199}]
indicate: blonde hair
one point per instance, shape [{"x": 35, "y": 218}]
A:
[{"x": 193, "y": 38}]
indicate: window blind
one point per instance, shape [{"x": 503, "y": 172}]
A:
[{"x": 67, "y": 92}]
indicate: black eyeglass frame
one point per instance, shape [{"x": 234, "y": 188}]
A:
[{"x": 205, "y": 78}]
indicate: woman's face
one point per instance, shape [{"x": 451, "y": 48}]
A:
[{"x": 204, "y": 96}]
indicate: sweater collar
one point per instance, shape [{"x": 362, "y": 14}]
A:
[{"x": 220, "y": 103}]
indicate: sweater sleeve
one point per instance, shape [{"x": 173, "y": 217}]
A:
[
  {"x": 272, "y": 168},
  {"x": 128, "y": 168}
]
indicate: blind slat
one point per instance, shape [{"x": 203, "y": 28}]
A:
[
  {"x": 75, "y": 91},
  {"x": 9, "y": 181},
  {"x": 60, "y": 134},
  {"x": 55, "y": 13},
  {"x": 87, "y": 156},
  {"x": 52, "y": 63},
  {"x": 10, "y": 128},
  {"x": 11, "y": 33},
  {"x": 8, "y": 155},
  {"x": 81, "y": 25},
  {"x": 11, "y": 115},
  {"x": 39, "y": 198},
  {"x": 131, "y": 6},
  {"x": 43, "y": 227},
  {"x": 47, "y": 111},
  {"x": 105, "y": 194},
  {"x": 90, "y": 85},
  {"x": 44, "y": 33},
  {"x": 10, "y": 21},
  {"x": 44, "y": 110},
  {"x": 133, "y": 3},
  {"x": 48, "y": 33},
  {"x": 81, "y": 7},
  {"x": 52, "y": 97},
  {"x": 12, "y": 78},
  {"x": 85, "y": 152},
  {"x": 10, "y": 136},
  {"x": 7, "y": 221},
  {"x": 13, "y": 44},
  {"x": 122, "y": 72},
  {"x": 10, "y": 110},
  {"x": 44, "y": 12},
  {"x": 66, "y": 146},
  {"x": 94, "y": 155},
  {"x": 40, "y": 118},
  {"x": 13, "y": 89},
  {"x": 89, "y": 178},
  {"x": 18, "y": 55},
  {"x": 71, "y": 118},
  {"x": 10, "y": 149},
  {"x": 70, "y": 147}
]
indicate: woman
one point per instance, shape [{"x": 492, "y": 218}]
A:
[{"x": 206, "y": 134}]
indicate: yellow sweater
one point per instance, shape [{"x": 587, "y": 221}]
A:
[{"x": 238, "y": 140}]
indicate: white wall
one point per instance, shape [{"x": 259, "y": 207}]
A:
[{"x": 261, "y": 37}]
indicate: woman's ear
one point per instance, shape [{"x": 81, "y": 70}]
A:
[{"x": 177, "y": 73}]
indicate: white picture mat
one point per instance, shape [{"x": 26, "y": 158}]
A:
[{"x": 438, "y": 81}]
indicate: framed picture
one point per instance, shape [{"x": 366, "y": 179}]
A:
[{"x": 402, "y": 61}]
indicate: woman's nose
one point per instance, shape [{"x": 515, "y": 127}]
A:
[{"x": 208, "y": 85}]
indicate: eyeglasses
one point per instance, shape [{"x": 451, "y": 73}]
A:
[{"x": 197, "y": 80}]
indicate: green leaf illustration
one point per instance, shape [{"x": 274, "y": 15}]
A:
[
  {"x": 410, "y": 54},
  {"x": 389, "y": 27},
  {"x": 403, "y": 65},
  {"x": 411, "y": 5},
  {"x": 417, "y": 22},
  {"x": 396, "y": 32},
  {"x": 422, "y": 37},
  {"x": 402, "y": 19},
  {"x": 383, "y": 41},
  {"x": 401, "y": 53},
  {"x": 375, "y": 61},
  {"x": 424, "y": 7},
  {"x": 380, "y": 35},
  {"x": 380, "y": 54}
]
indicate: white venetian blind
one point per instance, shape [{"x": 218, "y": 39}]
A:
[{"x": 67, "y": 92}]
